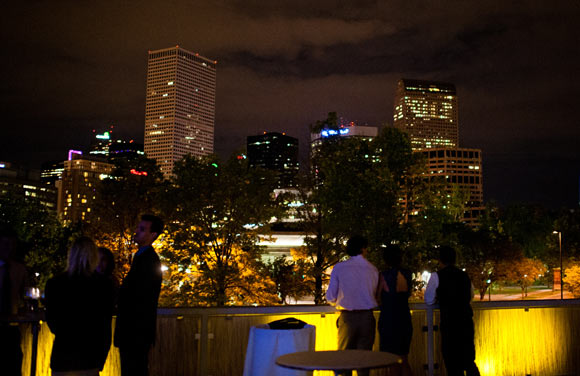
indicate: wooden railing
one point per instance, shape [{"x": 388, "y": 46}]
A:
[{"x": 523, "y": 337}]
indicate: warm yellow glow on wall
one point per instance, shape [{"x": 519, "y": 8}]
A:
[
  {"x": 508, "y": 341},
  {"x": 539, "y": 341}
]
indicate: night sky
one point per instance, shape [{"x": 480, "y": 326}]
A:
[{"x": 71, "y": 66}]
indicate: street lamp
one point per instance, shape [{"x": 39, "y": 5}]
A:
[{"x": 561, "y": 268}]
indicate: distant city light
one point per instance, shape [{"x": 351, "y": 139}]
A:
[
  {"x": 104, "y": 136},
  {"x": 334, "y": 132},
  {"x": 140, "y": 173}
]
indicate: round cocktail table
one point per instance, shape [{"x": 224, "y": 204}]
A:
[{"x": 337, "y": 361}]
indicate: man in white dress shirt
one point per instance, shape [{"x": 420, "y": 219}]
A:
[{"x": 352, "y": 289}]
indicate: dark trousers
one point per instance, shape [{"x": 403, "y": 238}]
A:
[
  {"x": 458, "y": 350},
  {"x": 134, "y": 360},
  {"x": 356, "y": 331}
]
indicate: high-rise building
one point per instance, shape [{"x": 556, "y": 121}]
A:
[
  {"x": 364, "y": 132},
  {"x": 180, "y": 106},
  {"x": 461, "y": 169},
  {"x": 275, "y": 151},
  {"x": 16, "y": 181},
  {"x": 427, "y": 112},
  {"x": 79, "y": 186}
]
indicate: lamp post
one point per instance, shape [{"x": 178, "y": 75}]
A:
[{"x": 561, "y": 268}]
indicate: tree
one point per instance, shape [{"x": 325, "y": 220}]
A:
[
  {"x": 572, "y": 280},
  {"x": 360, "y": 184},
  {"x": 370, "y": 187},
  {"x": 487, "y": 257},
  {"x": 134, "y": 187},
  {"x": 289, "y": 276},
  {"x": 217, "y": 211},
  {"x": 531, "y": 227},
  {"x": 43, "y": 239},
  {"x": 323, "y": 247},
  {"x": 524, "y": 272}
]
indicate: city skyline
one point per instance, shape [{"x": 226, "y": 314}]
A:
[{"x": 69, "y": 68}]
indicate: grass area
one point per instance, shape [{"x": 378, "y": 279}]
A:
[{"x": 509, "y": 290}]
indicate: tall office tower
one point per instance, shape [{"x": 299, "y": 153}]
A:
[
  {"x": 180, "y": 106},
  {"x": 275, "y": 151},
  {"x": 427, "y": 112}
]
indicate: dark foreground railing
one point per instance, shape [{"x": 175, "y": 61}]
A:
[{"x": 511, "y": 338}]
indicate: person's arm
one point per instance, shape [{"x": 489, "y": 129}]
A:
[
  {"x": 332, "y": 292},
  {"x": 382, "y": 285},
  {"x": 431, "y": 290}
]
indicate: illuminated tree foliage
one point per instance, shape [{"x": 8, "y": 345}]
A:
[
  {"x": 135, "y": 187},
  {"x": 572, "y": 280},
  {"x": 191, "y": 279},
  {"x": 525, "y": 271},
  {"x": 216, "y": 212}
]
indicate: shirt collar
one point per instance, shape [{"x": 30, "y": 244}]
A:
[{"x": 142, "y": 249}]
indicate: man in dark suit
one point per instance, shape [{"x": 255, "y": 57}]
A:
[
  {"x": 451, "y": 288},
  {"x": 138, "y": 297}
]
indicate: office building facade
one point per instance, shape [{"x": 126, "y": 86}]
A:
[
  {"x": 180, "y": 106},
  {"x": 428, "y": 112},
  {"x": 78, "y": 188},
  {"x": 275, "y": 151},
  {"x": 461, "y": 169},
  {"x": 19, "y": 182}
]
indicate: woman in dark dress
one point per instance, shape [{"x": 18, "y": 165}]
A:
[
  {"x": 395, "y": 327},
  {"x": 79, "y": 308}
]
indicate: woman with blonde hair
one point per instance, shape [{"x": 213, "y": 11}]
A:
[{"x": 79, "y": 308}]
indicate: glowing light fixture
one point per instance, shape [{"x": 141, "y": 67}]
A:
[{"x": 71, "y": 152}]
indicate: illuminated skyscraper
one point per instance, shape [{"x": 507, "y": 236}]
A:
[
  {"x": 180, "y": 106},
  {"x": 427, "y": 112}
]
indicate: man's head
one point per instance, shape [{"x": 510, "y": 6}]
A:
[
  {"x": 447, "y": 255},
  {"x": 355, "y": 245},
  {"x": 148, "y": 229}
]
